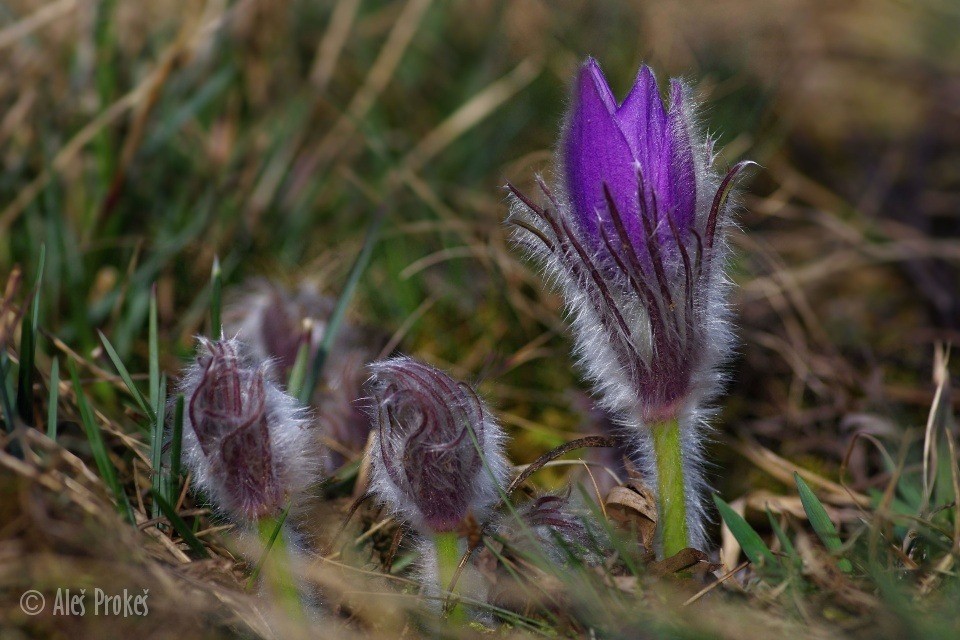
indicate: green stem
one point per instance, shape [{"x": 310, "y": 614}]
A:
[
  {"x": 447, "y": 546},
  {"x": 274, "y": 565},
  {"x": 671, "y": 493}
]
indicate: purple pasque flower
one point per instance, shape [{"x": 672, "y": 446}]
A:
[
  {"x": 437, "y": 453},
  {"x": 245, "y": 441},
  {"x": 634, "y": 234}
]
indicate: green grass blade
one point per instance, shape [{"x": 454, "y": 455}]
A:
[
  {"x": 98, "y": 447},
  {"x": 333, "y": 324},
  {"x": 156, "y": 445},
  {"x": 179, "y": 524},
  {"x": 28, "y": 348},
  {"x": 155, "y": 396},
  {"x": 127, "y": 380},
  {"x": 6, "y": 393},
  {"x": 35, "y": 307},
  {"x": 750, "y": 541},
  {"x": 104, "y": 37},
  {"x": 53, "y": 399},
  {"x": 25, "y": 372},
  {"x": 176, "y": 447},
  {"x": 299, "y": 370},
  {"x": 819, "y": 520},
  {"x": 216, "y": 295},
  {"x": 788, "y": 549},
  {"x": 273, "y": 527}
]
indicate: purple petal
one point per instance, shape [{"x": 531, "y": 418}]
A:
[
  {"x": 595, "y": 152},
  {"x": 643, "y": 121},
  {"x": 682, "y": 184},
  {"x": 595, "y": 73}
]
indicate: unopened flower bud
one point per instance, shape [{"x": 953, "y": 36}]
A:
[
  {"x": 437, "y": 453},
  {"x": 276, "y": 321},
  {"x": 245, "y": 440},
  {"x": 549, "y": 524}
]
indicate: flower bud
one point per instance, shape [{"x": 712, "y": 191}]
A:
[
  {"x": 549, "y": 524},
  {"x": 635, "y": 235},
  {"x": 436, "y": 456},
  {"x": 245, "y": 441},
  {"x": 274, "y": 321}
]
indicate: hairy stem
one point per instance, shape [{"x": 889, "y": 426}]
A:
[
  {"x": 671, "y": 492},
  {"x": 274, "y": 566},
  {"x": 447, "y": 546}
]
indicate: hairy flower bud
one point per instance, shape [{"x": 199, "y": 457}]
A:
[
  {"x": 245, "y": 440},
  {"x": 634, "y": 234},
  {"x": 551, "y": 525},
  {"x": 437, "y": 454},
  {"x": 275, "y": 321}
]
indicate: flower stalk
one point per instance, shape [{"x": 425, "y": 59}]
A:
[
  {"x": 447, "y": 547},
  {"x": 634, "y": 235},
  {"x": 274, "y": 565},
  {"x": 671, "y": 488},
  {"x": 436, "y": 460}
]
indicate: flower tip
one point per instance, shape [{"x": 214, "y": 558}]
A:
[
  {"x": 646, "y": 76},
  {"x": 678, "y": 93},
  {"x": 592, "y": 85}
]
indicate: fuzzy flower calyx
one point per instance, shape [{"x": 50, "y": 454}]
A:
[
  {"x": 436, "y": 455},
  {"x": 634, "y": 235},
  {"x": 244, "y": 439}
]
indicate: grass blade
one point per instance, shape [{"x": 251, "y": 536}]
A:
[
  {"x": 155, "y": 396},
  {"x": 274, "y": 527},
  {"x": 156, "y": 444},
  {"x": 25, "y": 372},
  {"x": 35, "y": 307},
  {"x": 179, "y": 524},
  {"x": 6, "y": 394},
  {"x": 28, "y": 348},
  {"x": 98, "y": 446},
  {"x": 788, "y": 548},
  {"x": 53, "y": 399},
  {"x": 820, "y": 521},
  {"x": 176, "y": 446},
  {"x": 333, "y": 324},
  {"x": 127, "y": 380},
  {"x": 216, "y": 294},
  {"x": 299, "y": 369},
  {"x": 750, "y": 541}
]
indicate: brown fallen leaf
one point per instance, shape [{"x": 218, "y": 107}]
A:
[
  {"x": 688, "y": 559},
  {"x": 633, "y": 507}
]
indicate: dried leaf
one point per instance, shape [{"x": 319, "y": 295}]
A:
[
  {"x": 687, "y": 559},
  {"x": 633, "y": 507}
]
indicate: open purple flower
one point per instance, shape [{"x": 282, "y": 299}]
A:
[
  {"x": 245, "y": 441},
  {"x": 437, "y": 454},
  {"x": 634, "y": 234}
]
